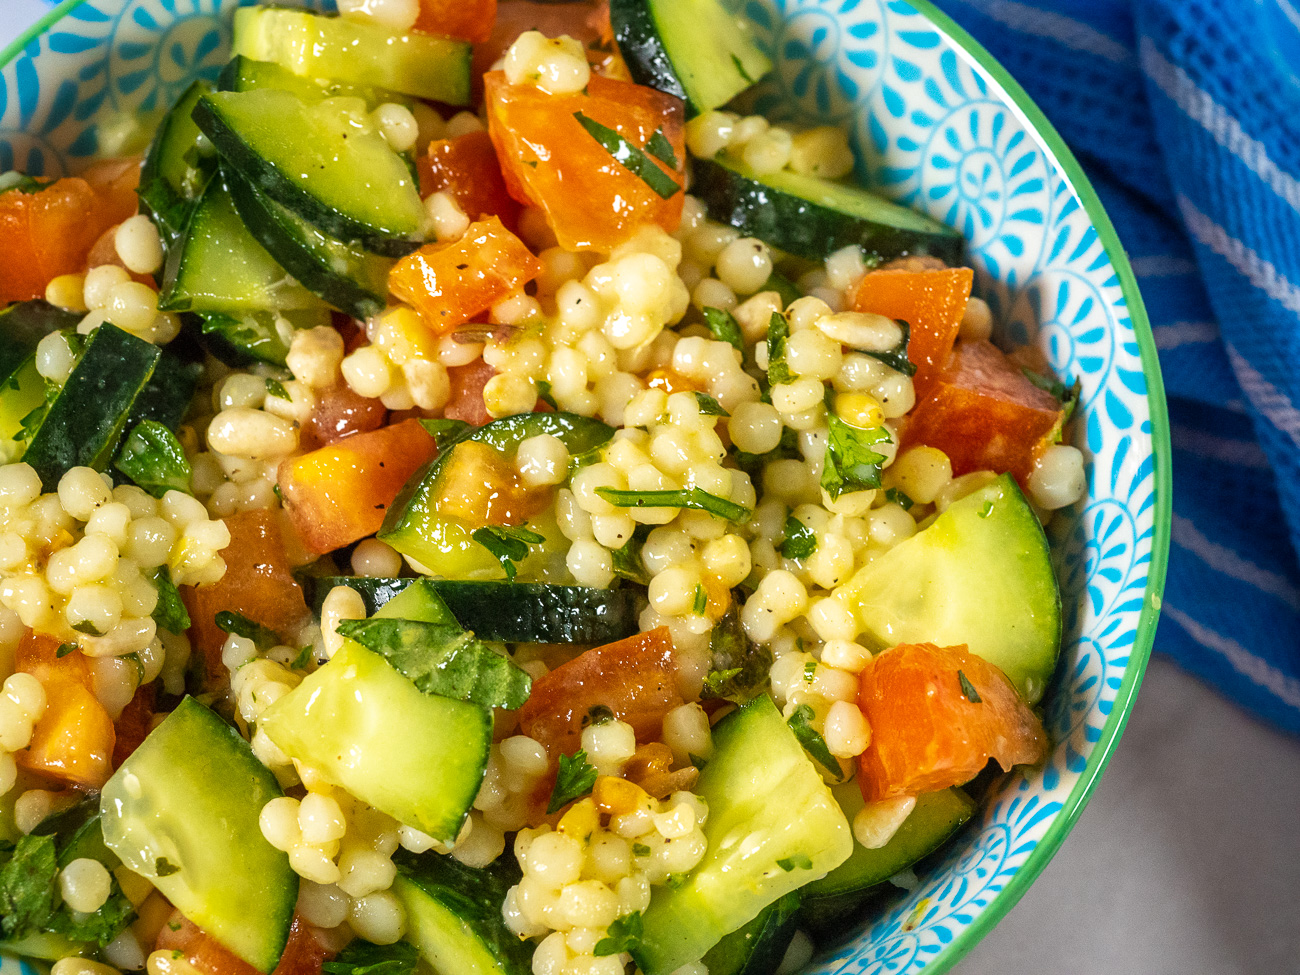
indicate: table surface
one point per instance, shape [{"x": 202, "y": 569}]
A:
[{"x": 1187, "y": 860}]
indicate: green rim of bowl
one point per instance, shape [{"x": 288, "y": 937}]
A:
[{"x": 1101, "y": 753}]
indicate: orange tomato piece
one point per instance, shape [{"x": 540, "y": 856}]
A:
[
  {"x": 134, "y": 722},
  {"x": 303, "y": 953},
  {"x": 467, "y": 168},
  {"x": 73, "y": 740},
  {"x": 635, "y": 678},
  {"x": 450, "y": 282},
  {"x": 340, "y": 413},
  {"x": 550, "y": 161},
  {"x": 932, "y": 302},
  {"x": 984, "y": 414},
  {"x": 466, "y": 20},
  {"x": 466, "y": 401},
  {"x": 45, "y": 234},
  {"x": 926, "y": 732},
  {"x": 339, "y": 494},
  {"x": 258, "y": 583},
  {"x": 114, "y": 182}
]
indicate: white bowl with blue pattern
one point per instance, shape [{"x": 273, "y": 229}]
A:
[{"x": 937, "y": 124}]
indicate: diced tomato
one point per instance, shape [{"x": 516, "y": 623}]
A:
[
  {"x": 450, "y": 282},
  {"x": 929, "y": 732},
  {"x": 258, "y": 583},
  {"x": 340, "y": 413},
  {"x": 984, "y": 414},
  {"x": 467, "y": 168},
  {"x": 635, "y": 678},
  {"x": 466, "y": 20},
  {"x": 339, "y": 494},
  {"x": 480, "y": 486},
  {"x": 45, "y": 234},
  {"x": 73, "y": 740},
  {"x": 551, "y": 161},
  {"x": 114, "y": 182},
  {"x": 133, "y": 724},
  {"x": 303, "y": 954},
  {"x": 466, "y": 402},
  {"x": 931, "y": 302}
]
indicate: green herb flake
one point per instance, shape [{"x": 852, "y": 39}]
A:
[
  {"x": 809, "y": 671},
  {"x": 444, "y": 660},
  {"x": 240, "y": 625},
  {"x": 778, "y": 331},
  {"x": 675, "y": 881},
  {"x": 899, "y": 498},
  {"x": 696, "y": 498},
  {"x": 544, "y": 393},
  {"x": 153, "y": 458},
  {"x": 507, "y": 545},
  {"x": 575, "y": 779},
  {"x": 64, "y": 650},
  {"x": 724, "y": 327},
  {"x": 740, "y": 68},
  {"x": 162, "y": 867},
  {"x": 27, "y": 885},
  {"x": 800, "y": 861},
  {"x": 169, "y": 612},
  {"x": 623, "y": 934},
  {"x": 986, "y": 509},
  {"x": 634, "y": 160},
  {"x": 445, "y": 432},
  {"x": 627, "y": 560},
  {"x": 800, "y": 540},
  {"x": 659, "y": 147},
  {"x": 709, "y": 406},
  {"x": 699, "y": 761},
  {"x": 87, "y": 627},
  {"x": 814, "y": 744},
  {"x": 701, "y": 600},
  {"x": 276, "y": 388},
  {"x": 851, "y": 464},
  {"x": 896, "y": 358},
  {"x": 301, "y": 661},
  {"x": 363, "y": 958},
  {"x": 597, "y": 715},
  {"x": 738, "y": 667},
  {"x": 968, "y": 689},
  {"x": 640, "y": 850}
]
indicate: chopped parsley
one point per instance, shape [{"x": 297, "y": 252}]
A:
[
  {"x": 851, "y": 464},
  {"x": 153, "y": 458},
  {"x": 814, "y": 744},
  {"x": 777, "y": 334},
  {"x": 240, "y": 625},
  {"x": 800, "y": 861},
  {"x": 169, "y": 612},
  {"x": 800, "y": 540},
  {"x": 724, "y": 327},
  {"x": 696, "y": 498},
  {"x": 968, "y": 689},
  {"x": 507, "y": 545},
  {"x": 710, "y": 406},
  {"x": 276, "y": 388},
  {"x": 575, "y": 779},
  {"x": 899, "y": 498},
  {"x": 623, "y": 934},
  {"x": 634, "y": 160}
]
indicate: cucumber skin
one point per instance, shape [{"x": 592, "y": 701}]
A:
[
  {"x": 169, "y": 208},
  {"x": 86, "y": 419},
  {"x": 22, "y": 326},
  {"x": 805, "y": 228},
  {"x": 642, "y": 48},
  {"x": 267, "y": 179},
  {"x": 759, "y": 947},
  {"x": 275, "y": 233}
]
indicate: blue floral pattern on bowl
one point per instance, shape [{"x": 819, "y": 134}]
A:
[{"x": 935, "y": 128}]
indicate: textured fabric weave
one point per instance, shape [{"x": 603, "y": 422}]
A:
[{"x": 1186, "y": 115}]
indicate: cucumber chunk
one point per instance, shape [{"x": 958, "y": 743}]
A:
[
  {"x": 22, "y": 389},
  {"x": 453, "y": 915},
  {"x": 696, "y": 50},
  {"x": 220, "y": 267},
  {"x": 323, "y": 160},
  {"x": 981, "y": 575},
  {"x": 87, "y": 417},
  {"x": 254, "y": 336},
  {"x": 509, "y": 612},
  {"x": 183, "y": 811},
  {"x": 317, "y": 46},
  {"x": 175, "y": 168},
  {"x": 444, "y": 544},
  {"x": 343, "y": 275},
  {"x": 245, "y": 74},
  {"x": 757, "y": 948},
  {"x": 773, "y": 825},
  {"x": 367, "y": 729},
  {"x": 814, "y": 217}
]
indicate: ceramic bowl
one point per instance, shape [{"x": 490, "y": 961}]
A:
[{"x": 939, "y": 125}]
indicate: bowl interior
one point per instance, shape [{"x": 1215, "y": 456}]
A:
[{"x": 937, "y": 124}]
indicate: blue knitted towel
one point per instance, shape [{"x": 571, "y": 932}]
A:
[{"x": 1186, "y": 115}]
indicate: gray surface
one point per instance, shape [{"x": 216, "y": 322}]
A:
[{"x": 1187, "y": 860}]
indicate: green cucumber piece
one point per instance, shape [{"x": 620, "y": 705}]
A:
[
  {"x": 367, "y": 729},
  {"x": 167, "y": 395},
  {"x": 87, "y": 416},
  {"x": 323, "y": 160},
  {"x": 343, "y": 275},
  {"x": 759, "y": 947},
  {"x": 773, "y": 825},
  {"x": 245, "y": 74},
  {"x": 509, "y": 612},
  {"x": 444, "y": 545},
  {"x": 814, "y": 217},
  {"x": 981, "y": 575},
  {"x": 697, "y": 50},
  {"x": 22, "y": 389},
  {"x": 317, "y": 46},
  {"x": 453, "y": 915},
  {"x": 176, "y": 167},
  {"x": 240, "y": 340},
  {"x": 183, "y": 811},
  {"x": 220, "y": 267}
]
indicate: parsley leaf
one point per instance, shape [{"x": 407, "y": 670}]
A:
[
  {"x": 814, "y": 744},
  {"x": 777, "y": 334},
  {"x": 623, "y": 934},
  {"x": 170, "y": 612},
  {"x": 303, "y": 658},
  {"x": 627, "y": 560},
  {"x": 659, "y": 147},
  {"x": 896, "y": 358},
  {"x": 576, "y": 779},
  {"x": 709, "y": 406},
  {"x": 701, "y": 600},
  {"x": 153, "y": 458},
  {"x": 696, "y": 498},
  {"x": 724, "y": 327},
  {"x": 364, "y": 958},
  {"x": 237, "y": 623},
  {"x": 968, "y": 689},
  {"x": 544, "y": 393},
  {"x": 784, "y": 287},
  {"x": 446, "y": 432},
  {"x": 851, "y": 464},
  {"x": 598, "y": 714},
  {"x": 276, "y": 388},
  {"x": 507, "y": 545},
  {"x": 162, "y": 867},
  {"x": 800, "y": 540},
  {"x": 738, "y": 667},
  {"x": 443, "y": 659},
  {"x": 800, "y": 861},
  {"x": 899, "y": 498},
  {"x": 634, "y": 160},
  {"x": 27, "y": 885},
  {"x": 64, "y": 650}
]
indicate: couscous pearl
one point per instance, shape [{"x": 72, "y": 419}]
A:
[
  {"x": 554, "y": 859},
  {"x": 54, "y": 358},
  {"x": 686, "y": 731},
  {"x": 398, "y": 16},
  {"x": 374, "y": 558},
  {"x": 379, "y": 918},
  {"x": 845, "y": 655},
  {"x": 1058, "y": 478},
  {"x": 744, "y": 265},
  {"x": 81, "y": 491},
  {"x": 85, "y": 885},
  {"x": 324, "y": 906},
  {"x": 445, "y": 215},
  {"x": 877, "y": 822},
  {"x": 314, "y": 356},
  {"x": 138, "y": 245},
  {"x": 846, "y": 731},
  {"x": 822, "y": 151},
  {"x": 67, "y": 291},
  {"x": 74, "y": 965},
  {"x": 100, "y": 282},
  {"x": 397, "y": 125},
  {"x": 251, "y": 433},
  {"x": 976, "y": 321},
  {"x": 320, "y": 819},
  {"x": 132, "y": 306},
  {"x": 363, "y": 871}
]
